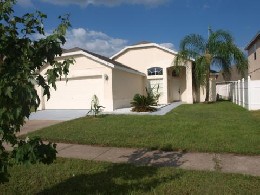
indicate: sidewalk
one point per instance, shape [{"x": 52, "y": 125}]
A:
[{"x": 229, "y": 163}]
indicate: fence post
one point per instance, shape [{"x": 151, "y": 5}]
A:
[
  {"x": 233, "y": 92},
  {"x": 249, "y": 92},
  {"x": 228, "y": 91},
  {"x": 238, "y": 91},
  {"x": 243, "y": 92},
  {"x": 235, "y": 89}
]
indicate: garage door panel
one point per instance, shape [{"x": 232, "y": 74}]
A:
[{"x": 75, "y": 94}]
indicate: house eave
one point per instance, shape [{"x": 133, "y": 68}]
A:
[
  {"x": 89, "y": 56},
  {"x": 253, "y": 41},
  {"x": 129, "y": 70}
]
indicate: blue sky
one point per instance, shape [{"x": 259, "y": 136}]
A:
[{"x": 106, "y": 26}]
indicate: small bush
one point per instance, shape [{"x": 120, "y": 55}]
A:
[{"x": 143, "y": 103}]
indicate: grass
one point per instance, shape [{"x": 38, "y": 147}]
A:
[
  {"x": 87, "y": 177},
  {"x": 220, "y": 127}
]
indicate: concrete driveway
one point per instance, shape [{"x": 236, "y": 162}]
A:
[
  {"x": 60, "y": 115},
  {"x": 34, "y": 125}
]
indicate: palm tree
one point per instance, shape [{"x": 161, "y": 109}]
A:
[{"x": 219, "y": 50}]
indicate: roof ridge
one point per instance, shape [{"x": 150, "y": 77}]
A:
[
  {"x": 145, "y": 45},
  {"x": 141, "y": 42}
]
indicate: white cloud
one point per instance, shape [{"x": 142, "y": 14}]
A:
[
  {"x": 97, "y": 42},
  {"x": 25, "y": 3},
  {"x": 168, "y": 45},
  {"x": 94, "y": 41},
  {"x": 110, "y": 3}
]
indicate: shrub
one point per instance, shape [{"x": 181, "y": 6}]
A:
[{"x": 143, "y": 103}]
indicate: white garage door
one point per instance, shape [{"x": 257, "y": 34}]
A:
[{"x": 76, "y": 93}]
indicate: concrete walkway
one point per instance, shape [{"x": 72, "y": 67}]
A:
[
  {"x": 161, "y": 110},
  {"x": 229, "y": 163}
]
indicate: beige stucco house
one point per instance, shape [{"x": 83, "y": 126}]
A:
[
  {"x": 112, "y": 82},
  {"x": 116, "y": 80},
  {"x": 253, "y": 49},
  {"x": 156, "y": 63}
]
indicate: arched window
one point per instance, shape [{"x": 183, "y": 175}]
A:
[{"x": 155, "y": 71}]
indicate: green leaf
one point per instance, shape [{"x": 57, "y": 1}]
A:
[{"x": 9, "y": 91}]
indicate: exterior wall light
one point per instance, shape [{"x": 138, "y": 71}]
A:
[{"x": 106, "y": 77}]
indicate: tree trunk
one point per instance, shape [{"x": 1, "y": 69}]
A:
[
  {"x": 208, "y": 58},
  {"x": 207, "y": 85}
]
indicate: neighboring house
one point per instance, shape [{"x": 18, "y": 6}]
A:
[
  {"x": 234, "y": 76},
  {"x": 116, "y": 80},
  {"x": 253, "y": 49}
]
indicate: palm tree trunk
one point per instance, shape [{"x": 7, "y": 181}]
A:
[
  {"x": 208, "y": 57},
  {"x": 207, "y": 85}
]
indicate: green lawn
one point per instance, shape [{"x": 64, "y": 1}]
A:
[
  {"x": 219, "y": 127},
  {"x": 87, "y": 177}
]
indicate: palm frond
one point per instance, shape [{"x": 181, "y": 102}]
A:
[
  {"x": 218, "y": 38},
  {"x": 224, "y": 65},
  {"x": 222, "y": 56},
  {"x": 194, "y": 45},
  {"x": 240, "y": 60},
  {"x": 200, "y": 71},
  {"x": 180, "y": 59}
]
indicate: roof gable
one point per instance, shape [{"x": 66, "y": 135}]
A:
[
  {"x": 143, "y": 45},
  {"x": 102, "y": 59}
]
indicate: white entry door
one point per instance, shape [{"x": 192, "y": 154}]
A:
[
  {"x": 156, "y": 84},
  {"x": 176, "y": 89}
]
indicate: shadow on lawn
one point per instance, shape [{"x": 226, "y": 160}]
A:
[
  {"x": 116, "y": 179},
  {"x": 156, "y": 158}
]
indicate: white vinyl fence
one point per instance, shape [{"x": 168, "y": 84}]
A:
[
  {"x": 243, "y": 92},
  {"x": 223, "y": 90}
]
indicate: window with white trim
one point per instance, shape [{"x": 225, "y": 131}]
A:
[{"x": 155, "y": 71}]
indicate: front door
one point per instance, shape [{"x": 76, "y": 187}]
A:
[
  {"x": 176, "y": 89},
  {"x": 157, "y": 86}
]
